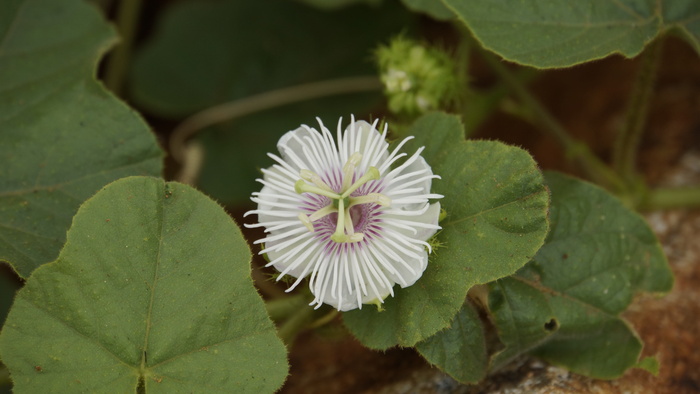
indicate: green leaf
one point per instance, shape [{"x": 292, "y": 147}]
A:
[
  {"x": 175, "y": 75},
  {"x": 524, "y": 318},
  {"x": 152, "y": 289},
  {"x": 434, "y": 8},
  {"x": 460, "y": 350},
  {"x": 564, "y": 306},
  {"x": 62, "y": 136},
  {"x": 496, "y": 205},
  {"x": 561, "y": 33},
  {"x": 684, "y": 16}
]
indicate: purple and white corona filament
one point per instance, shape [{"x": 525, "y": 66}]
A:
[{"x": 344, "y": 213}]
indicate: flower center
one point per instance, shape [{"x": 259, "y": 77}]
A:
[{"x": 341, "y": 201}]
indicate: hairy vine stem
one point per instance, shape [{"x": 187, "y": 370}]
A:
[
  {"x": 629, "y": 138},
  {"x": 594, "y": 168},
  {"x": 246, "y": 106}
]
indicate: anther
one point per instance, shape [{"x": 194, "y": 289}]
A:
[
  {"x": 355, "y": 237},
  {"x": 349, "y": 169},
  {"x": 302, "y": 187},
  {"x": 328, "y": 209},
  {"x": 314, "y": 178},
  {"x": 372, "y": 174},
  {"x": 349, "y": 227},
  {"x": 372, "y": 198},
  {"x": 306, "y": 221}
]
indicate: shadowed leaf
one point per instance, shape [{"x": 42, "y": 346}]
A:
[{"x": 63, "y": 136}]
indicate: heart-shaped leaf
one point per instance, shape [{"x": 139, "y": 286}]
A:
[
  {"x": 152, "y": 292},
  {"x": 62, "y": 135}
]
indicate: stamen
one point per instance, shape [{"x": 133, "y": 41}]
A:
[
  {"x": 314, "y": 178},
  {"x": 372, "y": 198},
  {"x": 341, "y": 203},
  {"x": 355, "y": 237},
  {"x": 328, "y": 209},
  {"x": 372, "y": 174},
  {"x": 302, "y": 187},
  {"x": 306, "y": 221},
  {"x": 349, "y": 227},
  {"x": 349, "y": 169}
]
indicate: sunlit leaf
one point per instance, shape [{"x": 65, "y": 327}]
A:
[
  {"x": 564, "y": 306},
  {"x": 62, "y": 136},
  {"x": 496, "y": 205},
  {"x": 152, "y": 289},
  {"x": 560, "y": 33}
]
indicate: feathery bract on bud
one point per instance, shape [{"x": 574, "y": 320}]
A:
[{"x": 347, "y": 213}]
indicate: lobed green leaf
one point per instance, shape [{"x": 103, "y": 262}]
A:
[
  {"x": 496, "y": 205},
  {"x": 564, "y": 306},
  {"x": 151, "y": 291},
  {"x": 460, "y": 350},
  {"x": 63, "y": 135},
  {"x": 561, "y": 33}
]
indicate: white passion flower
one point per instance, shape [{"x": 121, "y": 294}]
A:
[{"x": 338, "y": 212}]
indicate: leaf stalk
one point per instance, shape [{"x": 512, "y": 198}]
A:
[
  {"x": 128, "y": 16},
  {"x": 629, "y": 138}
]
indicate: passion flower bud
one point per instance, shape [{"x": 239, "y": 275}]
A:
[{"x": 416, "y": 78}]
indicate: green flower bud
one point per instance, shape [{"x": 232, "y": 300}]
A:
[{"x": 416, "y": 78}]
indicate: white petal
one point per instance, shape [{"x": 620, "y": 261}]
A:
[
  {"x": 356, "y": 284},
  {"x": 367, "y": 140},
  {"x": 405, "y": 269},
  {"x": 421, "y": 223},
  {"x": 419, "y": 267},
  {"x": 292, "y": 146},
  {"x": 420, "y": 169},
  {"x": 275, "y": 254},
  {"x": 265, "y": 204}
]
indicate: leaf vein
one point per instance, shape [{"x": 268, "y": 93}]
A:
[
  {"x": 81, "y": 334},
  {"x": 198, "y": 349},
  {"x": 521, "y": 199}
]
